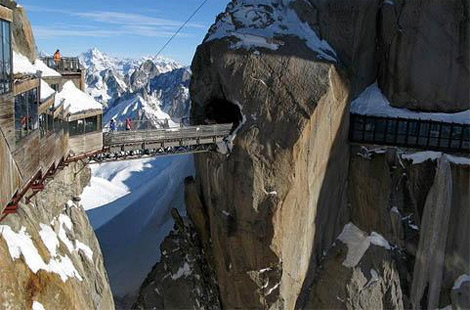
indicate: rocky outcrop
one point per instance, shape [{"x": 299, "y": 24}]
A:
[
  {"x": 278, "y": 200},
  {"x": 22, "y": 34},
  {"x": 410, "y": 200},
  {"x": 418, "y": 50},
  {"x": 49, "y": 253},
  {"x": 424, "y": 48},
  {"x": 171, "y": 89},
  {"x": 370, "y": 282},
  {"x": 275, "y": 204},
  {"x": 182, "y": 279}
]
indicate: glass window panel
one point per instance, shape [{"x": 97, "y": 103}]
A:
[
  {"x": 370, "y": 124},
  {"x": 435, "y": 128},
  {"x": 412, "y": 140},
  {"x": 391, "y": 131},
  {"x": 445, "y": 131},
  {"x": 424, "y": 129},
  {"x": 42, "y": 125},
  {"x": 413, "y": 128},
  {"x": 444, "y": 143},
  {"x": 401, "y": 139},
  {"x": 402, "y": 127},
  {"x": 90, "y": 124},
  {"x": 433, "y": 142},
  {"x": 456, "y": 132},
  {"x": 455, "y": 144}
]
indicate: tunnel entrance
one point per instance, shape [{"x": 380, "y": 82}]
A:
[{"x": 222, "y": 111}]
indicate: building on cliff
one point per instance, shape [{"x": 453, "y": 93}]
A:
[
  {"x": 41, "y": 125},
  {"x": 49, "y": 255}
]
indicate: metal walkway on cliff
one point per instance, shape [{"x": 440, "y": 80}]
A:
[{"x": 132, "y": 144}]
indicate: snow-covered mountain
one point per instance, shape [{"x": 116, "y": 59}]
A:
[
  {"x": 129, "y": 203},
  {"x": 145, "y": 88}
]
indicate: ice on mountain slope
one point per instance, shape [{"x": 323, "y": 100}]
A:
[
  {"x": 373, "y": 102},
  {"x": 132, "y": 216},
  {"x": 137, "y": 108},
  {"x": 257, "y": 24},
  {"x": 107, "y": 78}
]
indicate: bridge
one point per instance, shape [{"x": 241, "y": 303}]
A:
[
  {"x": 132, "y": 144},
  {"x": 122, "y": 145}
]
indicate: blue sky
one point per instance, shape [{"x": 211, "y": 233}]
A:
[{"x": 121, "y": 28}]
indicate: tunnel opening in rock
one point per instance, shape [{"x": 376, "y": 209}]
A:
[{"x": 222, "y": 111}]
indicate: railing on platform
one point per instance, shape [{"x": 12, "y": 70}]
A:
[
  {"x": 66, "y": 64},
  {"x": 413, "y": 133},
  {"x": 157, "y": 124},
  {"x": 191, "y": 134}
]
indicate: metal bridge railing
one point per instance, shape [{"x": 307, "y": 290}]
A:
[
  {"x": 66, "y": 64},
  {"x": 413, "y": 133},
  {"x": 192, "y": 134}
]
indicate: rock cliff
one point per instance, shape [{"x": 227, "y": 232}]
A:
[
  {"x": 22, "y": 33},
  {"x": 49, "y": 252},
  {"x": 417, "y": 50},
  {"x": 271, "y": 210},
  {"x": 285, "y": 200}
]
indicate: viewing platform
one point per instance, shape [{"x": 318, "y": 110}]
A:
[
  {"x": 66, "y": 64},
  {"x": 69, "y": 68}
]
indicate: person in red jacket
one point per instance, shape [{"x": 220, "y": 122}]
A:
[{"x": 128, "y": 124}]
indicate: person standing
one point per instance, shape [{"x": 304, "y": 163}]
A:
[
  {"x": 128, "y": 124},
  {"x": 57, "y": 58},
  {"x": 112, "y": 125}
]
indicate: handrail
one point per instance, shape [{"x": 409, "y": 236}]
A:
[
  {"x": 166, "y": 134},
  {"x": 413, "y": 133},
  {"x": 68, "y": 64}
]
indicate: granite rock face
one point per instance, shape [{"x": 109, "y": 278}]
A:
[
  {"x": 49, "y": 252},
  {"x": 422, "y": 210},
  {"x": 425, "y": 61},
  {"x": 22, "y": 33},
  {"x": 417, "y": 50},
  {"x": 284, "y": 201},
  {"x": 182, "y": 279},
  {"x": 269, "y": 207}
]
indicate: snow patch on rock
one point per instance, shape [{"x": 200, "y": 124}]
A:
[
  {"x": 185, "y": 271},
  {"x": 257, "y": 24},
  {"x": 460, "y": 281},
  {"x": 421, "y": 157},
  {"x": 37, "y": 306},
  {"x": 373, "y": 102},
  {"x": 358, "y": 242},
  {"x": 20, "y": 244}
]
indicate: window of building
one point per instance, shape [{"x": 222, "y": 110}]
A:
[
  {"x": 26, "y": 113},
  {"x": 87, "y": 125},
  {"x": 46, "y": 124},
  {"x": 5, "y": 57}
]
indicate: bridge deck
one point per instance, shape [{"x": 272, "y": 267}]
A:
[{"x": 192, "y": 135}]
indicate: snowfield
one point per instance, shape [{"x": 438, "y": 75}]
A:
[{"x": 128, "y": 204}]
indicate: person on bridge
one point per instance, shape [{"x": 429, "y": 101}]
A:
[
  {"x": 57, "y": 58},
  {"x": 112, "y": 125},
  {"x": 128, "y": 124}
]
